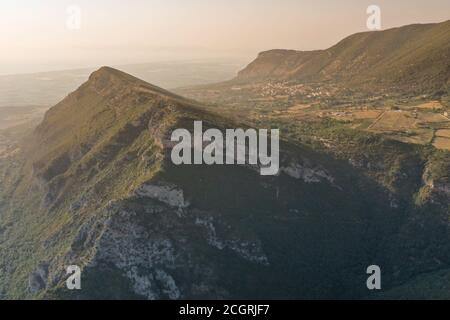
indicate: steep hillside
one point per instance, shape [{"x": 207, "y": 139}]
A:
[
  {"x": 415, "y": 58},
  {"x": 94, "y": 186}
]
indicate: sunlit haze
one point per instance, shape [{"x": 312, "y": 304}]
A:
[{"x": 35, "y": 36}]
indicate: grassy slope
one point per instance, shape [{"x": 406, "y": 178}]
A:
[{"x": 82, "y": 148}]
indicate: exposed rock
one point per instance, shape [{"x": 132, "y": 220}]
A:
[
  {"x": 439, "y": 189},
  {"x": 442, "y": 188},
  {"x": 82, "y": 202},
  {"x": 169, "y": 195},
  {"x": 308, "y": 175},
  {"x": 131, "y": 249},
  {"x": 393, "y": 202},
  {"x": 38, "y": 278},
  {"x": 249, "y": 250},
  {"x": 170, "y": 288}
]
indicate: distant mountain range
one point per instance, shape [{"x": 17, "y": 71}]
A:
[{"x": 414, "y": 58}]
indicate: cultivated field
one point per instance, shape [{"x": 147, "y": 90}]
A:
[
  {"x": 444, "y": 133},
  {"x": 394, "y": 121},
  {"x": 411, "y": 120},
  {"x": 442, "y": 143}
]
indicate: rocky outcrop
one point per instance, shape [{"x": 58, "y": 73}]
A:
[
  {"x": 436, "y": 188},
  {"x": 249, "y": 250},
  {"x": 169, "y": 195},
  {"x": 152, "y": 246},
  {"x": 307, "y": 174},
  {"x": 38, "y": 278}
]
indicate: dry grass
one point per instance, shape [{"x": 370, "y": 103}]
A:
[
  {"x": 444, "y": 133},
  {"x": 431, "y": 117},
  {"x": 418, "y": 136},
  {"x": 431, "y": 105},
  {"x": 298, "y": 108},
  {"x": 394, "y": 121},
  {"x": 369, "y": 114}
]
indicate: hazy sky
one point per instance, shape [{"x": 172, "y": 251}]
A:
[{"x": 35, "y": 35}]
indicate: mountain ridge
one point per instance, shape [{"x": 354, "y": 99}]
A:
[{"x": 416, "y": 55}]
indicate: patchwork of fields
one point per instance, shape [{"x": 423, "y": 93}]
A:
[{"x": 426, "y": 123}]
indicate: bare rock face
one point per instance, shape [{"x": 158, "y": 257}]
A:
[
  {"x": 159, "y": 253},
  {"x": 437, "y": 188},
  {"x": 250, "y": 250},
  {"x": 307, "y": 174},
  {"x": 169, "y": 195},
  {"x": 38, "y": 278},
  {"x": 131, "y": 248}
]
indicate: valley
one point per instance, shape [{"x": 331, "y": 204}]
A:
[
  {"x": 17, "y": 116},
  {"x": 412, "y": 119}
]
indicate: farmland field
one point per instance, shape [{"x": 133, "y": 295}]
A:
[
  {"x": 444, "y": 133},
  {"x": 430, "y": 105},
  {"x": 442, "y": 143},
  {"x": 394, "y": 121}
]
